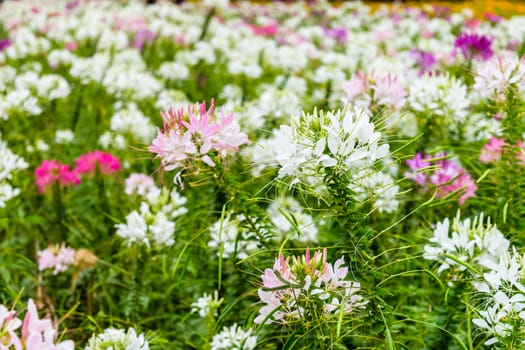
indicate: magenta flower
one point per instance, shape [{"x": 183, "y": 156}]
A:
[
  {"x": 446, "y": 176},
  {"x": 4, "y": 44},
  {"x": 416, "y": 164},
  {"x": 58, "y": 258},
  {"x": 196, "y": 132},
  {"x": 143, "y": 36},
  {"x": 52, "y": 171},
  {"x": 106, "y": 162},
  {"x": 491, "y": 152},
  {"x": 340, "y": 34},
  {"x": 474, "y": 46},
  {"x": 425, "y": 60}
]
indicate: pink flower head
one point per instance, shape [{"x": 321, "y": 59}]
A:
[
  {"x": 52, "y": 171},
  {"x": 447, "y": 176},
  {"x": 87, "y": 163},
  {"x": 140, "y": 184},
  {"x": 57, "y": 258},
  {"x": 196, "y": 131},
  {"x": 416, "y": 164},
  {"x": 389, "y": 92},
  {"x": 491, "y": 152},
  {"x": 40, "y": 334},
  {"x": 356, "y": 86}
]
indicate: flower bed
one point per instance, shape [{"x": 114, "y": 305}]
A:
[{"x": 260, "y": 176}]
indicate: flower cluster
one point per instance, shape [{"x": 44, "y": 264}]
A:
[
  {"x": 502, "y": 313},
  {"x": 319, "y": 145},
  {"x": 10, "y": 164},
  {"x": 35, "y": 334},
  {"x": 234, "y": 338},
  {"x": 370, "y": 91},
  {"x": 196, "y": 133},
  {"x": 474, "y": 46},
  {"x": 52, "y": 171},
  {"x": 113, "y": 338},
  {"x": 207, "y": 305},
  {"x": 441, "y": 173},
  {"x": 58, "y": 258},
  {"x": 499, "y": 75},
  {"x": 469, "y": 241},
  {"x": 307, "y": 287},
  {"x": 153, "y": 221}
]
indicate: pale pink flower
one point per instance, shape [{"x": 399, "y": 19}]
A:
[
  {"x": 356, "y": 87},
  {"x": 40, "y": 334},
  {"x": 8, "y": 325},
  {"x": 52, "y": 171},
  {"x": 291, "y": 292},
  {"x": 140, "y": 184},
  {"x": 491, "y": 152},
  {"x": 389, "y": 92},
  {"x": 446, "y": 176},
  {"x": 56, "y": 258},
  {"x": 106, "y": 162},
  {"x": 196, "y": 132}
]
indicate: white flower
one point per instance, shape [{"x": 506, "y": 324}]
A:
[
  {"x": 113, "y": 339},
  {"x": 207, "y": 305},
  {"x": 473, "y": 242},
  {"x": 440, "y": 95},
  {"x": 64, "y": 136},
  {"x": 234, "y": 338},
  {"x": 135, "y": 229}
]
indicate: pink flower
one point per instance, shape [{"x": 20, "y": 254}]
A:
[
  {"x": 356, "y": 86},
  {"x": 447, "y": 176},
  {"x": 57, "y": 258},
  {"x": 196, "y": 132},
  {"x": 51, "y": 171},
  {"x": 40, "y": 334},
  {"x": 140, "y": 184},
  {"x": 389, "y": 92},
  {"x": 491, "y": 152},
  {"x": 107, "y": 163},
  {"x": 416, "y": 164},
  {"x": 8, "y": 325}
]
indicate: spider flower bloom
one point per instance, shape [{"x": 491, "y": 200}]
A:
[
  {"x": 309, "y": 286},
  {"x": 52, "y": 171},
  {"x": 56, "y": 258},
  {"x": 196, "y": 132},
  {"x": 107, "y": 162},
  {"x": 36, "y": 334},
  {"x": 474, "y": 46}
]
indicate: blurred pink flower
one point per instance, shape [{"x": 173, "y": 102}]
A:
[
  {"x": 491, "y": 152},
  {"x": 58, "y": 258},
  {"x": 444, "y": 174},
  {"x": 52, "y": 171},
  {"x": 107, "y": 162}
]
